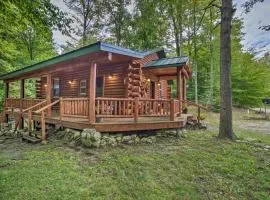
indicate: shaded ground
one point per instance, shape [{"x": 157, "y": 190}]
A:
[{"x": 196, "y": 167}]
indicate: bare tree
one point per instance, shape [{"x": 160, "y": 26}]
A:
[
  {"x": 84, "y": 10},
  {"x": 225, "y": 125}
]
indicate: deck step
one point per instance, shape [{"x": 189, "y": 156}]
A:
[{"x": 31, "y": 139}]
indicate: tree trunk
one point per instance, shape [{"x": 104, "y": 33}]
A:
[
  {"x": 211, "y": 89},
  {"x": 225, "y": 126},
  {"x": 195, "y": 63}
]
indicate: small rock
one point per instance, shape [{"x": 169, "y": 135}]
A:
[
  {"x": 126, "y": 138},
  {"x": 153, "y": 139},
  {"x": 179, "y": 133},
  {"x": 144, "y": 140},
  {"x": 103, "y": 143},
  {"x": 119, "y": 139},
  {"x": 137, "y": 140},
  {"x": 106, "y": 134}
]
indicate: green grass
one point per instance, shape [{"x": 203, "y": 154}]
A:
[{"x": 196, "y": 167}]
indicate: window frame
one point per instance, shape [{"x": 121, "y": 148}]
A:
[
  {"x": 84, "y": 87},
  {"x": 54, "y": 88}
]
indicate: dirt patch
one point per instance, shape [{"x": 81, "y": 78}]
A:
[{"x": 258, "y": 126}]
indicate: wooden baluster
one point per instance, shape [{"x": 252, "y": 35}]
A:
[
  {"x": 172, "y": 110},
  {"x": 102, "y": 107},
  {"x": 43, "y": 127},
  {"x": 115, "y": 107},
  {"x": 199, "y": 114},
  {"x": 30, "y": 121},
  {"x": 61, "y": 109},
  {"x": 98, "y": 107},
  {"x": 136, "y": 110},
  {"x": 119, "y": 107}
]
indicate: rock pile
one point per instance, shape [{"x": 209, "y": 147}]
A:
[{"x": 91, "y": 138}]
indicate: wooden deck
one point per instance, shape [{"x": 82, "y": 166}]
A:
[
  {"x": 108, "y": 115},
  {"x": 116, "y": 124}
]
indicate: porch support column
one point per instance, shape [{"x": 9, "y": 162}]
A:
[
  {"x": 179, "y": 88},
  {"x": 5, "y": 97},
  {"x": 49, "y": 93},
  {"x": 92, "y": 92},
  {"x": 184, "y": 88},
  {"x": 21, "y": 122}
]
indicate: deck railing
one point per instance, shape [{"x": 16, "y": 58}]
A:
[
  {"x": 21, "y": 103},
  {"x": 13, "y": 103},
  {"x": 154, "y": 107},
  {"x": 134, "y": 108},
  {"x": 114, "y": 107},
  {"x": 27, "y": 103},
  {"x": 75, "y": 107}
]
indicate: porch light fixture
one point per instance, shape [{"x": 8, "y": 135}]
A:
[
  {"x": 110, "y": 77},
  {"x": 148, "y": 80},
  {"x": 158, "y": 84},
  {"x": 70, "y": 82},
  {"x": 45, "y": 85}
]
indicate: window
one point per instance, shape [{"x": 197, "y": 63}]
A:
[
  {"x": 152, "y": 89},
  {"x": 83, "y": 87},
  {"x": 160, "y": 91},
  {"x": 99, "y": 86},
  {"x": 56, "y": 87}
]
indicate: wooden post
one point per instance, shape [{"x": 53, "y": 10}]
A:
[
  {"x": 199, "y": 115},
  {"x": 30, "y": 121},
  {"x": 21, "y": 122},
  {"x": 172, "y": 110},
  {"x": 179, "y": 89},
  {"x": 49, "y": 93},
  {"x": 61, "y": 109},
  {"x": 92, "y": 93},
  {"x": 184, "y": 88},
  {"x": 265, "y": 110},
  {"x": 136, "y": 110},
  {"x": 43, "y": 127},
  {"x": 5, "y": 97}
]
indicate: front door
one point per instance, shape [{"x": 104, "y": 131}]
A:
[
  {"x": 99, "y": 86},
  {"x": 152, "y": 90}
]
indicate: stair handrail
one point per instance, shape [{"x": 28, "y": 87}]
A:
[
  {"x": 195, "y": 104},
  {"x": 34, "y": 106},
  {"x": 47, "y": 106},
  {"x": 199, "y": 108}
]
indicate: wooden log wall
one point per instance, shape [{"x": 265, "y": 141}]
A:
[
  {"x": 138, "y": 84},
  {"x": 125, "y": 79},
  {"x": 113, "y": 80}
]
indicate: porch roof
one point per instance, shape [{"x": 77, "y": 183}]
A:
[
  {"x": 168, "y": 62},
  {"x": 166, "y": 68},
  {"x": 98, "y": 46}
]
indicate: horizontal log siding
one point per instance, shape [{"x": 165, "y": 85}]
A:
[
  {"x": 148, "y": 75},
  {"x": 113, "y": 87},
  {"x": 67, "y": 89},
  {"x": 78, "y": 69}
]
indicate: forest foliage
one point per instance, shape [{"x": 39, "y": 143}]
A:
[{"x": 182, "y": 27}]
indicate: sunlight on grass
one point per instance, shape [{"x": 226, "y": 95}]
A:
[{"x": 197, "y": 167}]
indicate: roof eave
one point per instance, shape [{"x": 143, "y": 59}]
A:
[
  {"x": 61, "y": 58},
  {"x": 98, "y": 46},
  {"x": 166, "y": 66}
]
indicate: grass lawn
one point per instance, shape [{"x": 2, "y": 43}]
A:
[{"x": 196, "y": 167}]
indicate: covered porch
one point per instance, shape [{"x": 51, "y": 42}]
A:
[{"x": 106, "y": 114}]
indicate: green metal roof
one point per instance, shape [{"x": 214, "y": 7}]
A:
[
  {"x": 168, "y": 62},
  {"x": 99, "y": 46}
]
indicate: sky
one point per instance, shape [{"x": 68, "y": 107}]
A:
[{"x": 254, "y": 37}]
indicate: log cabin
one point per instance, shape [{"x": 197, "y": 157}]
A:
[{"x": 102, "y": 86}]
